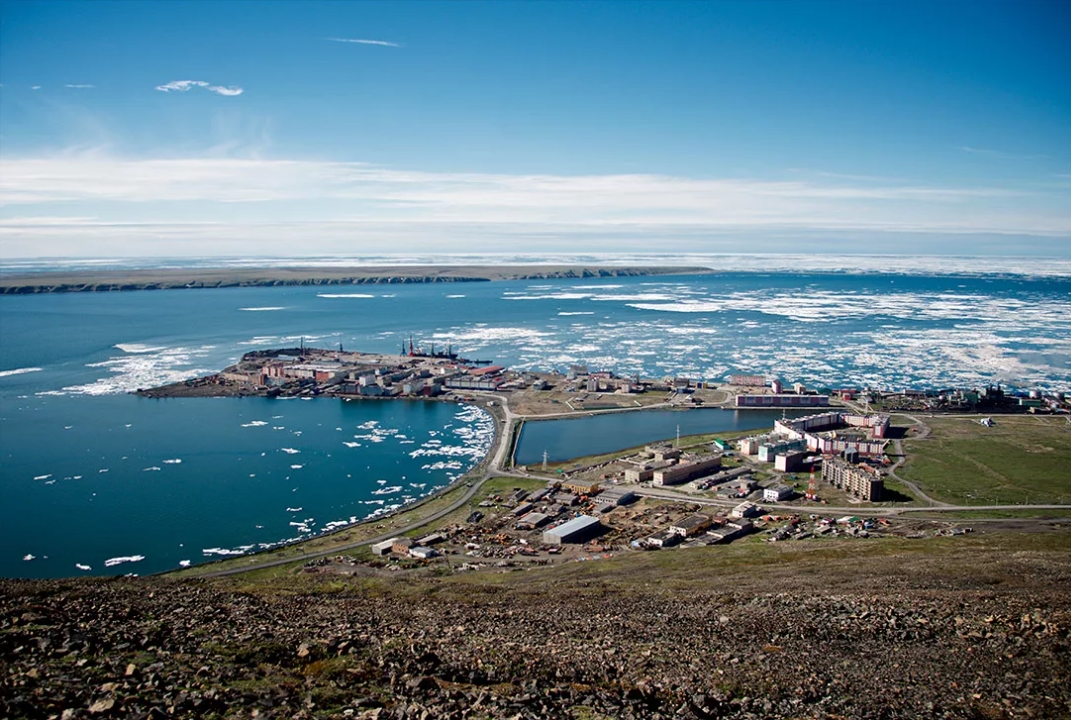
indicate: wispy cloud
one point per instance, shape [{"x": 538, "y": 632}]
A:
[
  {"x": 81, "y": 87},
  {"x": 228, "y": 190},
  {"x": 185, "y": 85},
  {"x": 35, "y": 87},
  {"x": 360, "y": 41},
  {"x": 999, "y": 153}
]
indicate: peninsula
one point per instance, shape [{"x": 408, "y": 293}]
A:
[{"x": 191, "y": 278}]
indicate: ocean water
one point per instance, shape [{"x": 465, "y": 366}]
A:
[{"x": 67, "y": 362}]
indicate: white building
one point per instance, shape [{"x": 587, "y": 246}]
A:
[
  {"x": 745, "y": 510},
  {"x": 776, "y": 493}
]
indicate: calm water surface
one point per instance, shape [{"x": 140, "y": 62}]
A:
[{"x": 67, "y": 362}]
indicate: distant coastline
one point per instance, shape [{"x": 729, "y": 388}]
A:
[{"x": 198, "y": 278}]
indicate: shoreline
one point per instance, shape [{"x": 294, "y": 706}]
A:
[
  {"x": 200, "y": 278},
  {"x": 473, "y": 478}
]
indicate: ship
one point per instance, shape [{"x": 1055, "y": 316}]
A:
[{"x": 416, "y": 352}]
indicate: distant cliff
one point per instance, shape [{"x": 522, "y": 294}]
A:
[{"x": 176, "y": 279}]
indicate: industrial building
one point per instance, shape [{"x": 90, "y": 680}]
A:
[
  {"x": 691, "y": 526},
  {"x": 858, "y": 480},
  {"x": 533, "y": 520},
  {"x": 787, "y": 401},
  {"x": 645, "y": 472},
  {"x": 662, "y": 453},
  {"x": 663, "y": 539},
  {"x": 581, "y": 487},
  {"x": 616, "y": 496},
  {"x": 684, "y": 472},
  {"x": 747, "y": 380},
  {"x": 384, "y": 548},
  {"x": 579, "y": 529},
  {"x": 745, "y": 510},
  {"x": 731, "y": 531}
]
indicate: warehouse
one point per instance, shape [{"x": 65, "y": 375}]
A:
[
  {"x": 384, "y": 548},
  {"x": 686, "y": 471},
  {"x": 617, "y": 496},
  {"x": 577, "y": 530}
]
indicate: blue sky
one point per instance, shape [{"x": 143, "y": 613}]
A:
[{"x": 141, "y": 129}]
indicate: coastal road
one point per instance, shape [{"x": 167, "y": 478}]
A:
[
  {"x": 502, "y": 444},
  {"x": 494, "y": 469},
  {"x": 475, "y": 488}
]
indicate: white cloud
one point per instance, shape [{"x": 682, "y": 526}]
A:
[
  {"x": 35, "y": 87},
  {"x": 81, "y": 87},
  {"x": 999, "y": 153},
  {"x": 185, "y": 85},
  {"x": 332, "y": 203},
  {"x": 364, "y": 42}
]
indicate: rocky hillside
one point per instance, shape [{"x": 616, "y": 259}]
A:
[{"x": 972, "y": 632}]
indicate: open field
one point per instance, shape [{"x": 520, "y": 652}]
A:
[
  {"x": 689, "y": 442},
  {"x": 1021, "y": 459}
]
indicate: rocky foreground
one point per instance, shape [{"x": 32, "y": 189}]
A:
[{"x": 817, "y": 635}]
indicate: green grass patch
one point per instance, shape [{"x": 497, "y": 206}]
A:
[
  {"x": 1020, "y": 460},
  {"x": 688, "y": 442}
]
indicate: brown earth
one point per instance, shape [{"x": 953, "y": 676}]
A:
[{"x": 949, "y": 628}]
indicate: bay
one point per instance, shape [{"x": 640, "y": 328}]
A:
[{"x": 67, "y": 362}]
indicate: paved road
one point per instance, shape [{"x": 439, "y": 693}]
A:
[
  {"x": 502, "y": 444},
  {"x": 495, "y": 470},
  {"x": 476, "y": 485},
  {"x": 835, "y": 509}
]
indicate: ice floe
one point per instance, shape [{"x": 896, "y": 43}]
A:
[
  {"x": 112, "y": 562},
  {"x": 19, "y": 371},
  {"x": 345, "y": 295},
  {"x": 143, "y": 366},
  {"x": 221, "y": 551}
]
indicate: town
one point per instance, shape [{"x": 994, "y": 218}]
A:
[{"x": 792, "y": 481}]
